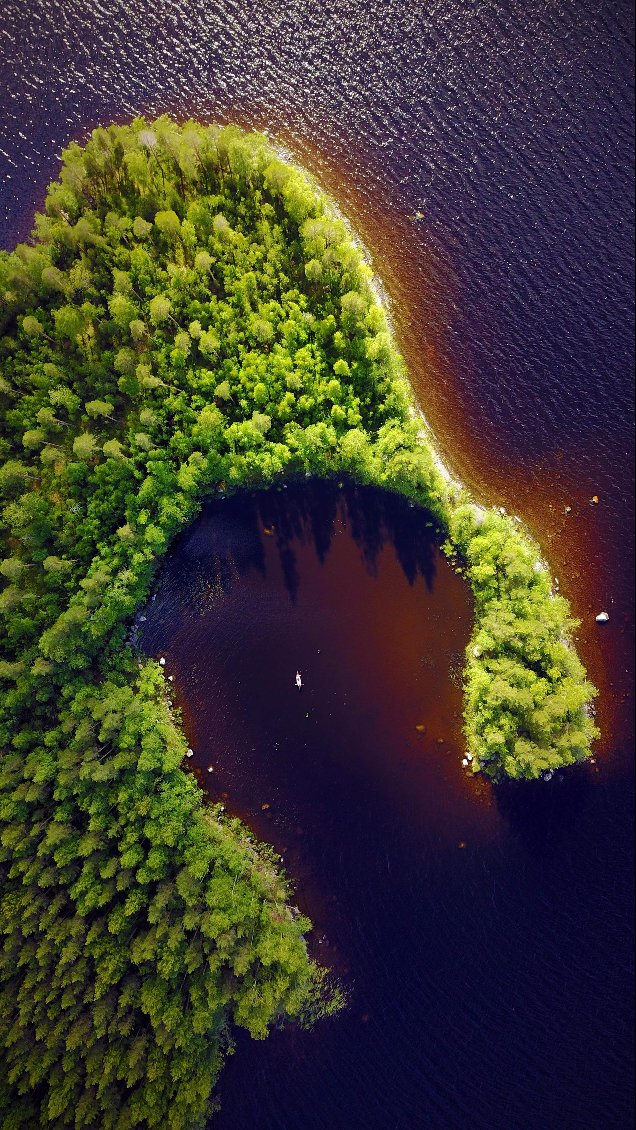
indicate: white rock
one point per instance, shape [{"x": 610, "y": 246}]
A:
[
  {"x": 464, "y": 761},
  {"x": 162, "y": 662},
  {"x": 602, "y": 618}
]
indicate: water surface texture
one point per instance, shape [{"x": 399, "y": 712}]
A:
[
  {"x": 507, "y": 129},
  {"x": 480, "y": 934}
]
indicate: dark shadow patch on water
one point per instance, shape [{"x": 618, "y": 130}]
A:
[
  {"x": 307, "y": 512},
  {"x": 223, "y": 544},
  {"x": 541, "y": 814}
]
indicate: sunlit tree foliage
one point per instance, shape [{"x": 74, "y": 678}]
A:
[{"x": 190, "y": 317}]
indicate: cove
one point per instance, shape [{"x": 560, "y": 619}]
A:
[
  {"x": 456, "y": 915},
  {"x": 347, "y": 585}
]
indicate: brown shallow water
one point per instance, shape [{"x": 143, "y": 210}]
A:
[
  {"x": 469, "y": 925},
  {"x": 536, "y": 470}
]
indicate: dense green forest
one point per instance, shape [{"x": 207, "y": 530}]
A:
[{"x": 190, "y": 317}]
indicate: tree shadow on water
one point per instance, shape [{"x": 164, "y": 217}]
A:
[
  {"x": 301, "y": 512},
  {"x": 415, "y": 536},
  {"x": 227, "y": 541},
  {"x": 544, "y": 813},
  {"x": 309, "y": 511},
  {"x": 377, "y": 518}
]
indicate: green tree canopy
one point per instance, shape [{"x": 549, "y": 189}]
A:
[{"x": 191, "y": 316}]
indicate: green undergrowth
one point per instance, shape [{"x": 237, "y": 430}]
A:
[{"x": 190, "y": 317}]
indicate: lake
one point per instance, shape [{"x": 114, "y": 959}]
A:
[{"x": 496, "y": 979}]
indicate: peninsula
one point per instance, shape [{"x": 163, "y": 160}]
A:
[{"x": 191, "y": 317}]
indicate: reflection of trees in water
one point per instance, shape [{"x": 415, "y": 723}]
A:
[{"x": 227, "y": 541}]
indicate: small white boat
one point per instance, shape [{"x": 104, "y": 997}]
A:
[{"x": 299, "y": 681}]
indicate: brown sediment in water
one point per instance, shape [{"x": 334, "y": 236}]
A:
[
  {"x": 584, "y": 548},
  {"x": 377, "y": 625}
]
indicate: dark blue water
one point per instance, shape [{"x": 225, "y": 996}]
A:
[{"x": 510, "y": 127}]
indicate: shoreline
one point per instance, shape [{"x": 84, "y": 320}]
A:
[
  {"x": 457, "y": 492},
  {"x": 525, "y": 690},
  {"x": 384, "y": 300}
]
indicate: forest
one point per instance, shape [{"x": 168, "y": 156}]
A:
[{"x": 190, "y": 317}]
